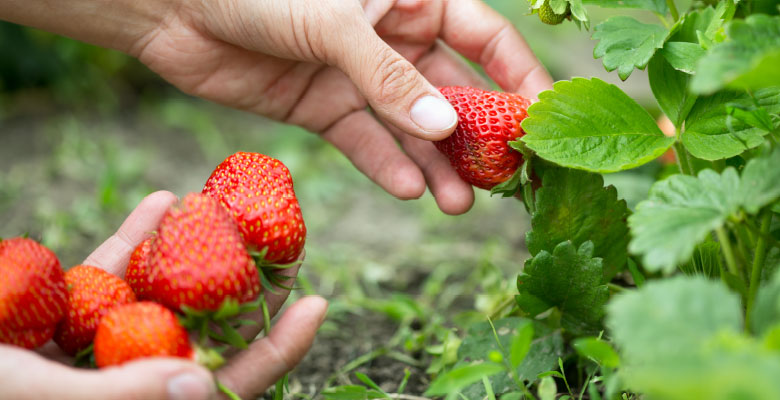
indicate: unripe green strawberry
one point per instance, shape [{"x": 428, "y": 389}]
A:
[
  {"x": 548, "y": 15},
  {"x": 32, "y": 292},
  {"x": 198, "y": 259},
  {"x": 137, "y": 274},
  {"x": 487, "y": 120},
  {"x": 92, "y": 292},
  {"x": 140, "y": 330},
  {"x": 258, "y": 192}
]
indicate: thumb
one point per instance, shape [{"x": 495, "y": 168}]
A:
[
  {"x": 150, "y": 379},
  {"x": 393, "y": 87}
]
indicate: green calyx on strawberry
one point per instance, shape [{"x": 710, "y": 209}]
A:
[
  {"x": 548, "y": 16},
  {"x": 198, "y": 265},
  {"x": 479, "y": 149},
  {"x": 32, "y": 293},
  {"x": 258, "y": 192},
  {"x": 92, "y": 292},
  {"x": 146, "y": 329}
]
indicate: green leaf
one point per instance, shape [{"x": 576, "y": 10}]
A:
[
  {"x": 760, "y": 184},
  {"x": 734, "y": 367},
  {"x": 682, "y": 210},
  {"x": 521, "y": 343},
  {"x": 670, "y": 88},
  {"x": 513, "y": 396},
  {"x": 626, "y": 43},
  {"x": 479, "y": 342},
  {"x": 757, "y": 117},
  {"x": 547, "y": 388},
  {"x": 680, "y": 339},
  {"x": 748, "y": 59},
  {"x": 461, "y": 377},
  {"x": 509, "y": 187},
  {"x": 598, "y": 350},
  {"x": 370, "y": 383},
  {"x": 679, "y": 213},
  {"x": 657, "y": 6},
  {"x": 558, "y": 6},
  {"x": 574, "y": 205},
  {"x": 569, "y": 279},
  {"x": 692, "y": 26},
  {"x": 579, "y": 13},
  {"x": 592, "y": 125},
  {"x": 671, "y": 318},
  {"x": 711, "y": 134},
  {"x": 351, "y": 392},
  {"x": 683, "y": 56}
]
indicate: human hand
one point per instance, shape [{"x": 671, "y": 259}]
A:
[
  {"x": 320, "y": 64},
  {"x": 29, "y": 375}
]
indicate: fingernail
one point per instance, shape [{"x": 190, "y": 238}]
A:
[
  {"x": 434, "y": 114},
  {"x": 190, "y": 386}
]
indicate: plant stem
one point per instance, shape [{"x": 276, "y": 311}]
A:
[
  {"x": 728, "y": 252},
  {"x": 758, "y": 265},
  {"x": 616, "y": 288},
  {"x": 768, "y": 238},
  {"x": 673, "y": 10},
  {"x": 683, "y": 161}
]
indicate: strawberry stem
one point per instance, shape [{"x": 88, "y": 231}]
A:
[
  {"x": 229, "y": 393},
  {"x": 266, "y": 316}
]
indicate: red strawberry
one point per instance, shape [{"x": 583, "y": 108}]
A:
[
  {"x": 487, "y": 120},
  {"x": 32, "y": 292},
  {"x": 92, "y": 292},
  {"x": 137, "y": 274},
  {"x": 258, "y": 192},
  {"x": 27, "y": 338},
  {"x": 138, "y": 330},
  {"x": 198, "y": 259}
]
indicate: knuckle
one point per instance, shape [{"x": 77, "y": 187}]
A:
[{"x": 393, "y": 77}]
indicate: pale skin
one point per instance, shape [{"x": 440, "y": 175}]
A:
[{"x": 362, "y": 74}]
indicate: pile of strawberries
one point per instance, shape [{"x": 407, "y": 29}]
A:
[{"x": 206, "y": 264}]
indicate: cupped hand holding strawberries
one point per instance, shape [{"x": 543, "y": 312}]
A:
[
  {"x": 196, "y": 261},
  {"x": 320, "y": 64}
]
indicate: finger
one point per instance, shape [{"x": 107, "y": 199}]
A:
[
  {"x": 373, "y": 151},
  {"x": 150, "y": 379},
  {"x": 274, "y": 299},
  {"x": 251, "y": 372},
  {"x": 114, "y": 253},
  {"x": 443, "y": 67},
  {"x": 376, "y": 9},
  {"x": 396, "y": 91},
  {"x": 452, "y": 194},
  {"x": 484, "y": 36}
]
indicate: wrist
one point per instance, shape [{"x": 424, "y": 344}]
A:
[{"x": 116, "y": 24}]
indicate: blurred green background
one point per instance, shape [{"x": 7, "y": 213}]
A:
[{"x": 86, "y": 133}]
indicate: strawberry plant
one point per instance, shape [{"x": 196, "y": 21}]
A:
[{"x": 675, "y": 296}]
